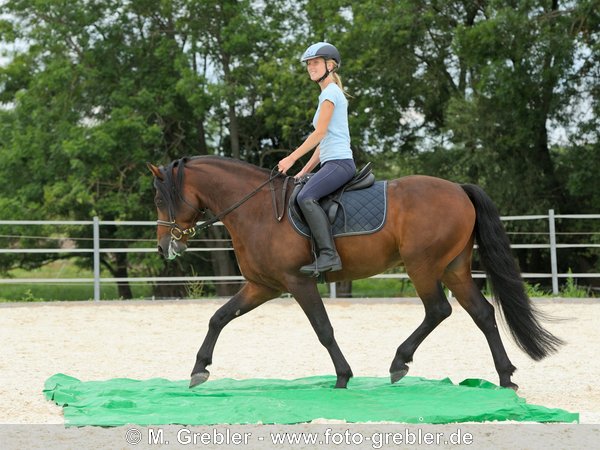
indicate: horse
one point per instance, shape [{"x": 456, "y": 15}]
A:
[{"x": 431, "y": 228}]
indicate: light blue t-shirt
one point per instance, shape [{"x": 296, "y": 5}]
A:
[{"x": 336, "y": 143}]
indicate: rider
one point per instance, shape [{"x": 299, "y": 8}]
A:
[{"x": 331, "y": 138}]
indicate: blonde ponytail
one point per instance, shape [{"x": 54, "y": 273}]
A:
[{"x": 337, "y": 79}]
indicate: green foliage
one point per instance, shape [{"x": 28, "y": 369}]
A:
[
  {"x": 572, "y": 290},
  {"x": 470, "y": 91},
  {"x": 536, "y": 291}
]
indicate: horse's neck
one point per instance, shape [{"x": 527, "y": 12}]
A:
[{"x": 224, "y": 183}]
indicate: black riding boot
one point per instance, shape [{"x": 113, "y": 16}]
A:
[{"x": 328, "y": 259}]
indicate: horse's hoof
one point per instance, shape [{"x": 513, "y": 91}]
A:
[
  {"x": 511, "y": 385},
  {"x": 199, "y": 378},
  {"x": 341, "y": 383},
  {"x": 398, "y": 375}
]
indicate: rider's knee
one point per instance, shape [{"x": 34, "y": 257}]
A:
[{"x": 306, "y": 201}]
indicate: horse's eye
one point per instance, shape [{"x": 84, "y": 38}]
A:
[{"x": 159, "y": 202}]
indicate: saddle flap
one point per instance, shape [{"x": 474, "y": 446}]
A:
[
  {"x": 361, "y": 179},
  {"x": 363, "y": 183}
]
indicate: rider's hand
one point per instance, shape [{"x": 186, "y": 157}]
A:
[
  {"x": 300, "y": 174},
  {"x": 285, "y": 164}
]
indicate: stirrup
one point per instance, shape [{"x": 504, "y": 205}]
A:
[
  {"x": 313, "y": 269},
  {"x": 310, "y": 270}
]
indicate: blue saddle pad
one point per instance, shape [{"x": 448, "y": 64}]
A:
[{"x": 361, "y": 212}]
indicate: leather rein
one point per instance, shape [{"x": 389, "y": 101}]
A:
[{"x": 178, "y": 232}]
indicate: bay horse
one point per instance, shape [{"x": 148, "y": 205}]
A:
[{"x": 431, "y": 228}]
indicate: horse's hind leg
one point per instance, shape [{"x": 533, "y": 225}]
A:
[
  {"x": 437, "y": 309},
  {"x": 309, "y": 299},
  {"x": 249, "y": 297},
  {"x": 482, "y": 312}
]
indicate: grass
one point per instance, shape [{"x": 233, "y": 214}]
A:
[
  {"x": 36, "y": 292},
  {"x": 569, "y": 290},
  {"x": 377, "y": 288},
  {"x": 367, "y": 288}
]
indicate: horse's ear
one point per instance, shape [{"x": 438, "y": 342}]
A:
[{"x": 155, "y": 171}]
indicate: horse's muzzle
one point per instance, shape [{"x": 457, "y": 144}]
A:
[{"x": 173, "y": 249}]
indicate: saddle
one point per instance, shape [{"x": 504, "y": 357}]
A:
[
  {"x": 331, "y": 203},
  {"x": 361, "y": 202}
]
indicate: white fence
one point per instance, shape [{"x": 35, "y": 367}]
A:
[{"x": 552, "y": 246}]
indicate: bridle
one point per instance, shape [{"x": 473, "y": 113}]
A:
[{"x": 178, "y": 232}]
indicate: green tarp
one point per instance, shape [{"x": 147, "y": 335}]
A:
[{"x": 269, "y": 401}]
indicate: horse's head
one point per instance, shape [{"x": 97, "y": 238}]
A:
[{"x": 177, "y": 213}]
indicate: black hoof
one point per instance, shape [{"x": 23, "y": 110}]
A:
[
  {"x": 199, "y": 378},
  {"x": 398, "y": 375},
  {"x": 341, "y": 383},
  {"x": 510, "y": 385}
]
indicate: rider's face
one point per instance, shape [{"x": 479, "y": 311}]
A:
[{"x": 315, "y": 68}]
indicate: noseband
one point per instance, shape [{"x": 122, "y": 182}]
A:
[{"x": 178, "y": 232}]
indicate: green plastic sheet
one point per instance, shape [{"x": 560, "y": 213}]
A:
[{"x": 271, "y": 401}]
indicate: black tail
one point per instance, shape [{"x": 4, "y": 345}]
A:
[{"x": 507, "y": 285}]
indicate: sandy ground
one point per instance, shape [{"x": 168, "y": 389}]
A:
[{"x": 160, "y": 339}]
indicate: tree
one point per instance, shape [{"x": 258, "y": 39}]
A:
[
  {"x": 467, "y": 90},
  {"x": 96, "y": 93}
]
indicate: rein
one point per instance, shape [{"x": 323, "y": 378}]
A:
[{"x": 178, "y": 232}]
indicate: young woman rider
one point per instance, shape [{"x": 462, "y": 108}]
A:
[{"x": 331, "y": 141}]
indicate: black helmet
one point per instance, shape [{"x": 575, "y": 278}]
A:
[{"x": 322, "y": 50}]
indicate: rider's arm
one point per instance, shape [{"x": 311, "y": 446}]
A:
[
  {"x": 312, "y": 163},
  {"x": 313, "y": 139}
]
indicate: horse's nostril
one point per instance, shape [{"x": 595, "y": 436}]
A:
[{"x": 160, "y": 251}]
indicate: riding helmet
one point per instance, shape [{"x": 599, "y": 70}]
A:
[{"x": 322, "y": 50}]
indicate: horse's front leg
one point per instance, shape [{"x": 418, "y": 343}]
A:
[
  {"x": 309, "y": 299},
  {"x": 249, "y": 297}
]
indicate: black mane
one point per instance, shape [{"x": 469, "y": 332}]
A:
[{"x": 169, "y": 187}]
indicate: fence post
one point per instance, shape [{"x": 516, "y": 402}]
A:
[
  {"x": 96, "y": 226},
  {"x": 553, "y": 258},
  {"x": 332, "y": 290}
]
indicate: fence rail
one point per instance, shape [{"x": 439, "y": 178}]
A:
[{"x": 97, "y": 249}]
